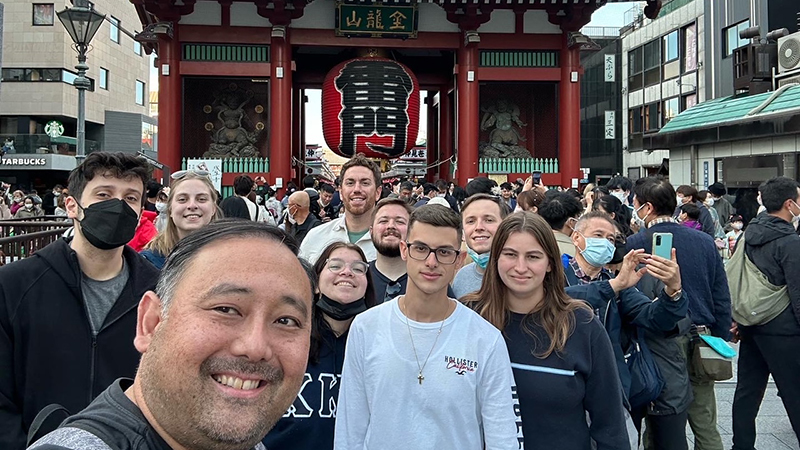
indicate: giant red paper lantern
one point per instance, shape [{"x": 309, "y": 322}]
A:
[{"x": 370, "y": 106}]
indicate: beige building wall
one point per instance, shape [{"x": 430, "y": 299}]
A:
[{"x": 29, "y": 46}]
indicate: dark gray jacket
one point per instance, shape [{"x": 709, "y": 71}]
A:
[
  {"x": 668, "y": 356},
  {"x": 772, "y": 244}
]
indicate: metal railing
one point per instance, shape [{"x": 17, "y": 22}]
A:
[
  {"x": 42, "y": 143},
  {"x": 21, "y": 238},
  {"x": 517, "y": 165}
]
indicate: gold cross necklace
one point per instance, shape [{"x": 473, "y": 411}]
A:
[{"x": 421, "y": 377}]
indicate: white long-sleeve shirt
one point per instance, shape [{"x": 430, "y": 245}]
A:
[{"x": 464, "y": 401}]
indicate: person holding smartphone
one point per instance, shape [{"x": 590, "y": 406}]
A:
[
  {"x": 705, "y": 284},
  {"x": 615, "y": 299}
]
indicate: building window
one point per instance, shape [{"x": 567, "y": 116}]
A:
[
  {"x": 103, "y": 78},
  {"x": 670, "y": 50},
  {"x": 137, "y": 48},
  {"x": 635, "y": 69},
  {"x": 670, "y": 53},
  {"x": 652, "y": 62},
  {"x": 41, "y": 75},
  {"x": 140, "y": 87},
  {"x": 635, "y": 120},
  {"x": 43, "y": 14},
  {"x": 670, "y": 109},
  {"x": 731, "y": 39},
  {"x": 651, "y": 117},
  {"x": 687, "y": 101},
  {"x": 689, "y": 47},
  {"x": 114, "y": 22}
]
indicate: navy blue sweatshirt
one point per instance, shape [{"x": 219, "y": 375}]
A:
[
  {"x": 556, "y": 392},
  {"x": 702, "y": 274},
  {"x": 309, "y": 423}
]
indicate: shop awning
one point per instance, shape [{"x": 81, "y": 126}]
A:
[
  {"x": 732, "y": 118},
  {"x": 64, "y": 140}
]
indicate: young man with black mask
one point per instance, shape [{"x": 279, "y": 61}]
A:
[{"x": 68, "y": 312}]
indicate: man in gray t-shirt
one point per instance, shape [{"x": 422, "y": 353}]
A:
[
  {"x": 99, "y": 296},
  {"x": 467, "y": 280},
  {"x": 480, "y": 216}
]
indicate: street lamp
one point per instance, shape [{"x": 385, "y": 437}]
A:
[{"x": 82, "y": 23}]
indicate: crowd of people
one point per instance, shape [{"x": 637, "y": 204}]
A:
[{"x": 363, "y": 314}]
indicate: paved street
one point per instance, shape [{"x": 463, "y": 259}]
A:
[{"x": 774, "y": 430}]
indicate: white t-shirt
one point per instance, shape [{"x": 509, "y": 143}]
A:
[
  {"x": 467, "y": 397},
  {"x": 320, "y": 237}
]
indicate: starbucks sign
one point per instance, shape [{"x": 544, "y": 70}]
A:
[{"x": 54, "y": 129}]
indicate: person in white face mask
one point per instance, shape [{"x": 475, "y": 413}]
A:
[
  {"x": 732, "y": 237},
  {"x": 620, "y": 187}
]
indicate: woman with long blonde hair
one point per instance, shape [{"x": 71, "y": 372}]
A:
[
  {"x": 192, "y": 204},
  {"x": 562, "y": 358}
]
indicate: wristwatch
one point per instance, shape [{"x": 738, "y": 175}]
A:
[{"x": 676, "y": 296}]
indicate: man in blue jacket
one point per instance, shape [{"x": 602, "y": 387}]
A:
[
  {"x": 704, "y": 282},
  {"x": 615, "y": 299}
]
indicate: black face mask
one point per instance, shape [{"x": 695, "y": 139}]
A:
[
  {"x": 109, "y": 224},
  {"x": 340, "y": 311},
  {"x": 619, "y": 253}
]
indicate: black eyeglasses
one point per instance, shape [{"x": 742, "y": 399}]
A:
[
  {"x": 336, "y": 265},
  {"x": 444, "y": 255},
  {"x": 393, "y": 289},
  {"x": 182, "y": 173}
]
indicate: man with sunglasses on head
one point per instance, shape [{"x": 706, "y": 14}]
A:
[
  {"x": 390, "y": 228},
  {"x": 446, "y": 381},
  {"x": 68, "y": 312}
]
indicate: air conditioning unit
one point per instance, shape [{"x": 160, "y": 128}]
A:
[
  {"x": 789, "y": 53},
  {"x": 788, "y": 80}
]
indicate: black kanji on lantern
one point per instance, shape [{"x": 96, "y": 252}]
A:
[{"x": 374, "y": 101}]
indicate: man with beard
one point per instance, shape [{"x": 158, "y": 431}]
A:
[
  {"x": 361, "y": 188},
  {"x": 389, "y": 228},
  {"x": 223, "y": 351}
]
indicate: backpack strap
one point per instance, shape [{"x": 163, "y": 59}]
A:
[{"x": 47, "y": 420}]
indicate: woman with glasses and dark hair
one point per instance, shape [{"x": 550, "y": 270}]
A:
[
  {"x": 562, "y": 357},
  {"x": 192, "y": 204},
  {"x": 345, "y": 290}
]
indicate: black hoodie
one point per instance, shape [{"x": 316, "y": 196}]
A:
[
  {"x": 772, "y": 244},
  {"x": 48, "y": 353}
]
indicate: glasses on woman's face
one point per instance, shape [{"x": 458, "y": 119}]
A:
[
  {"x": 336, "y": 265},
  {"x": 182, "y": 173},
  {"x": 420, "y": 252}
]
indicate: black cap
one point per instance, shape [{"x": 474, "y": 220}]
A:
[{"x": 718, "y": 189}]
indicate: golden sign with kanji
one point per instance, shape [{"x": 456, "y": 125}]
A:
[{"x": 376, "y": 20}]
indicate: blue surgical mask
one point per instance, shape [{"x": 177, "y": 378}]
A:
[
  {"x": 481, "y": 259},
  {"x": 598, "y": 251}
]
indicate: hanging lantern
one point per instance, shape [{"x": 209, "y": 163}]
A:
[{"x": 370, "y": 106}]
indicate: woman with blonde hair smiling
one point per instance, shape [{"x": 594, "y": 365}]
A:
[
  {"x": 562, "y": 358},
  {"x": 192, "y": 204}
]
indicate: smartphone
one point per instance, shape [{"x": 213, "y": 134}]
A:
[
  {"x": 537, "y": 177},
  {"x": 662, "y": 245}
]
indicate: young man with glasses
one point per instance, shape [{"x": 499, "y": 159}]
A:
[
  {"x": 390, "y": 228},
  {"x": 446, "y": 382}
]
